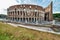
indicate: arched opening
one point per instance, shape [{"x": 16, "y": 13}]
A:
[{"x": 46, "y": 16}]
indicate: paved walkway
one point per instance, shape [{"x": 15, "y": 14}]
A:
[{"x": 44, "y": 29}]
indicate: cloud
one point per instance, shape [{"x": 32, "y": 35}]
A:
[
  {"x": 7, "y": 3},
  {"x": 27, "y": 1},
  {"x": 56, "y": 5},
  {"x": 4, "y": 4},
  {"x": 43, "y": 3}
]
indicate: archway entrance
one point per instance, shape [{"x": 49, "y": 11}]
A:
[{"x": 46, "y": 16}]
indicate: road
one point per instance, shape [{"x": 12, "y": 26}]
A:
[{"x": 44, "y": 29}]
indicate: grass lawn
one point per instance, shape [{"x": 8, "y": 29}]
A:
[{"x": 8, "y": 32}]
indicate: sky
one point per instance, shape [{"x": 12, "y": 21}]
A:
[{"x": 4, "y": 4}]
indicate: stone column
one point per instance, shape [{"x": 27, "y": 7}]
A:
[
  {"x": 22, "y": 16},
  {"x": 19, "y": 19},
  {"x": 31, "y": 19},
  {"x": 34, "y": 19},
  {"x": 28, "y": 19},
  {"x": 25, "y": 16}
]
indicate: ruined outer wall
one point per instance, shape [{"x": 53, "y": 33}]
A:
[{"x": 49, "y": 10}]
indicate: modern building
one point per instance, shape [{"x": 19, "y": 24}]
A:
[{"x": 28, "y": 13}]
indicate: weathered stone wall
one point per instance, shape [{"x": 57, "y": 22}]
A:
[{"x": 49, "y": 10}]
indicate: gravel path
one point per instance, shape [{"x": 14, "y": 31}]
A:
[{"x": 44, "y": 29}]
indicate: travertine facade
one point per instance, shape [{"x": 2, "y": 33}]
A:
[
  {"x": 48, "y": 10},
  {"x": 29, "y": 13}
]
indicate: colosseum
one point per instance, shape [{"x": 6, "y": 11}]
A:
[{"x": 28, "y": 13}]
